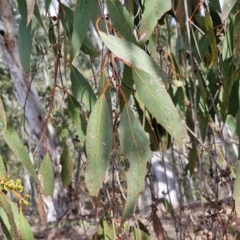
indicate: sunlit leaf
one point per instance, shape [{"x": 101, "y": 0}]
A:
[
  {"x": 3, "y": 120},
  {"x": 4, "y": 203},
  {"x": 24, "y": 227},
  {"x": 67, "y": 166},
  {"x": 158, "y": 102},
  {"x": 81, "y": 89},
  {"x": 25, "y": 44},
  {"x": 82, "y": 17},
  {"x": 153, "y": 11},
  {"x": 98, "y": 145},
  {"x": 133, "y": 56},
  {"x": 135, "y": 146},
  {"x": 121, "y": 19},
  {"x": 46, "y": 175},
  {"x": 14, "y": 142},
  {"x": 30, "y": 9}
]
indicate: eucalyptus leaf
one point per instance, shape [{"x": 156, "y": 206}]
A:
[
  {"x": 98, "y": 145},
  {"x": 14, "y": 142},
  {"x": 46, "y": 176},
  {"x": 153, "y": 11},
  {"x": 82, "y": 17},
  {"x": 158, "y": 102},
  {"x": 135, "y": 146},
  {"x": 4, "y": 203},
  {"x": 25, "y": 44},
  {"x": 67, "y": 166}
]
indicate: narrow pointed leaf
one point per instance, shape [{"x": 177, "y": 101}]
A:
[
  {"x": 67, "y": 166},
  {"x": 47, "y": 176},
  {"x": 14, "y": 142},
  {"x": 25, "y": 44},
  {"x": 136, "y": 148},
  {"x": 24, "y": 227},
  {"x": 121, "y": 19},
  {"x": 153, "y": 11},
  {"x": 30, "y": 9},
  {"x": 4, "y": 220},
  {"x": 47, "y": 5},
  {"x": 78, "y": 120},
  {"x": 82, "y": 17},
  {"x": 4, "y": 203},
  {"x": 2, "y": 168},
  {"x": 39, "y": 18},
  {"x": 236, "y": 192},
  {"x": 81, "y": 89},
  {"x": 211, "y": 38},
  {"x": 98, "y": 145},
  {"x": 3, "y": 120},
  {"x": 133, "y": 56},
  {"x": 67, "y": 22},
  {"x": 105, "y": 229},
  {"x": 158, "y": 102}
]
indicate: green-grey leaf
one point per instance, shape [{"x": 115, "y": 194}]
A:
[
  {"x": 82, "y": 17},
  {"x": 211, "y": 38},
  {"x": 136, "y": 148},
  {"x": 105, "y": 230},
  {"x": 25, "y": 44},
  {"x": 3, "y": 120},
  {"x": 98, "y": 145},
  {"x": 67, "y": 19},
  {"x": 133, "y": 56},
  {"x": 153, "y": 11},
  {"x": 39, "y": 18},
  {"x": 47, "y": 176},
  {"x": 67, "y": 166},
  {"x": 236, "y": 192},
  {"x": 81, "y": 89},
  {"x": 4, "y": 203},
  {"x": 158, "y": 102},
  {"x": 67, "y": 22},
  {"x": 14, "y": 142},
  {"x": 78, "y": 120},
  {"x": 88, "y": 48},
  {"x": 47, "y": 4},
  {"x": 4, "y": 219},
  {"x": 25, "y": 229},
  {"x": 2, "y": 168},
  {"x": 122, "y": 20}
]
